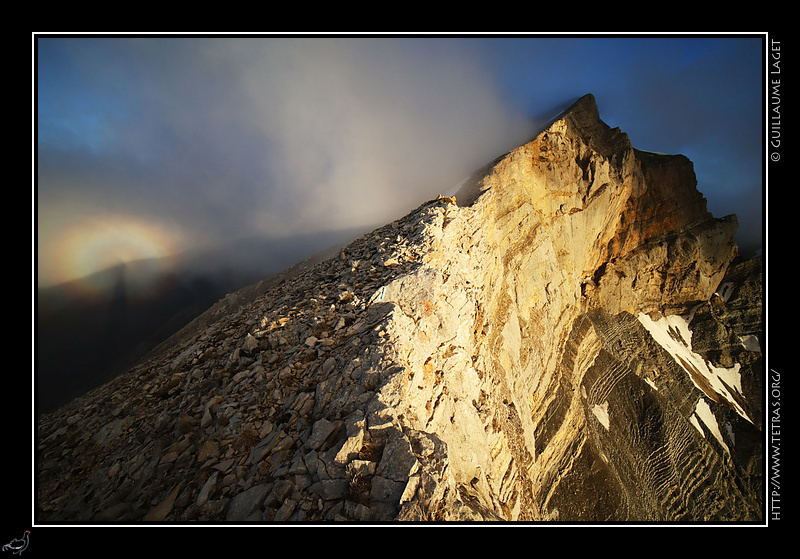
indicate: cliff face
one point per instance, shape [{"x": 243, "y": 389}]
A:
[{"x": 574, "y": 339}]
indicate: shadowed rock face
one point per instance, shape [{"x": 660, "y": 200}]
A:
[{"x": 574, "y": 340}]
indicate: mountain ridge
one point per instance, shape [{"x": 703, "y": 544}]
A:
[
  {"x": 574, "y": 340},
  {"x": 140, "y": 305}
]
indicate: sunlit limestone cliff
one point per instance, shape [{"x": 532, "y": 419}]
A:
[{"x": 573, "y": 337}]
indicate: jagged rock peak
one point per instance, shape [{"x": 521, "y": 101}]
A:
[
  {"x": 585, "y": 117},
  {"x": 615, "y": 202},
  {"x": 573, "y": 340}
]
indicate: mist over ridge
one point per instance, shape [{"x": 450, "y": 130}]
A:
[{"x": 224, "y": 139}]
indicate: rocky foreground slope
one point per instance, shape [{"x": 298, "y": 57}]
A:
[{"x": 572, "y": 338}]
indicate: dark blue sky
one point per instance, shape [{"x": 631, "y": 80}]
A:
[{"x": 149, "y": 146}]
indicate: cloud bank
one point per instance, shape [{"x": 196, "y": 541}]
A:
[{"x": 202, "y": 141}]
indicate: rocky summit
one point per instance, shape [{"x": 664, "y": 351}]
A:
[{"x": 572, "y": 337}]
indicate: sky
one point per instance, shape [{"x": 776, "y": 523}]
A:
[{"x": 147, "y": 147}]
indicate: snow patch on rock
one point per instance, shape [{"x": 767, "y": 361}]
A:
[
  {"x": 600, "y": 411},
  {"x": 703, "y": 411},
  {"x": 718, "y": 383}
]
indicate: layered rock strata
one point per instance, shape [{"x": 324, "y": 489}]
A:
[{"x": 571, "y": 338}]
